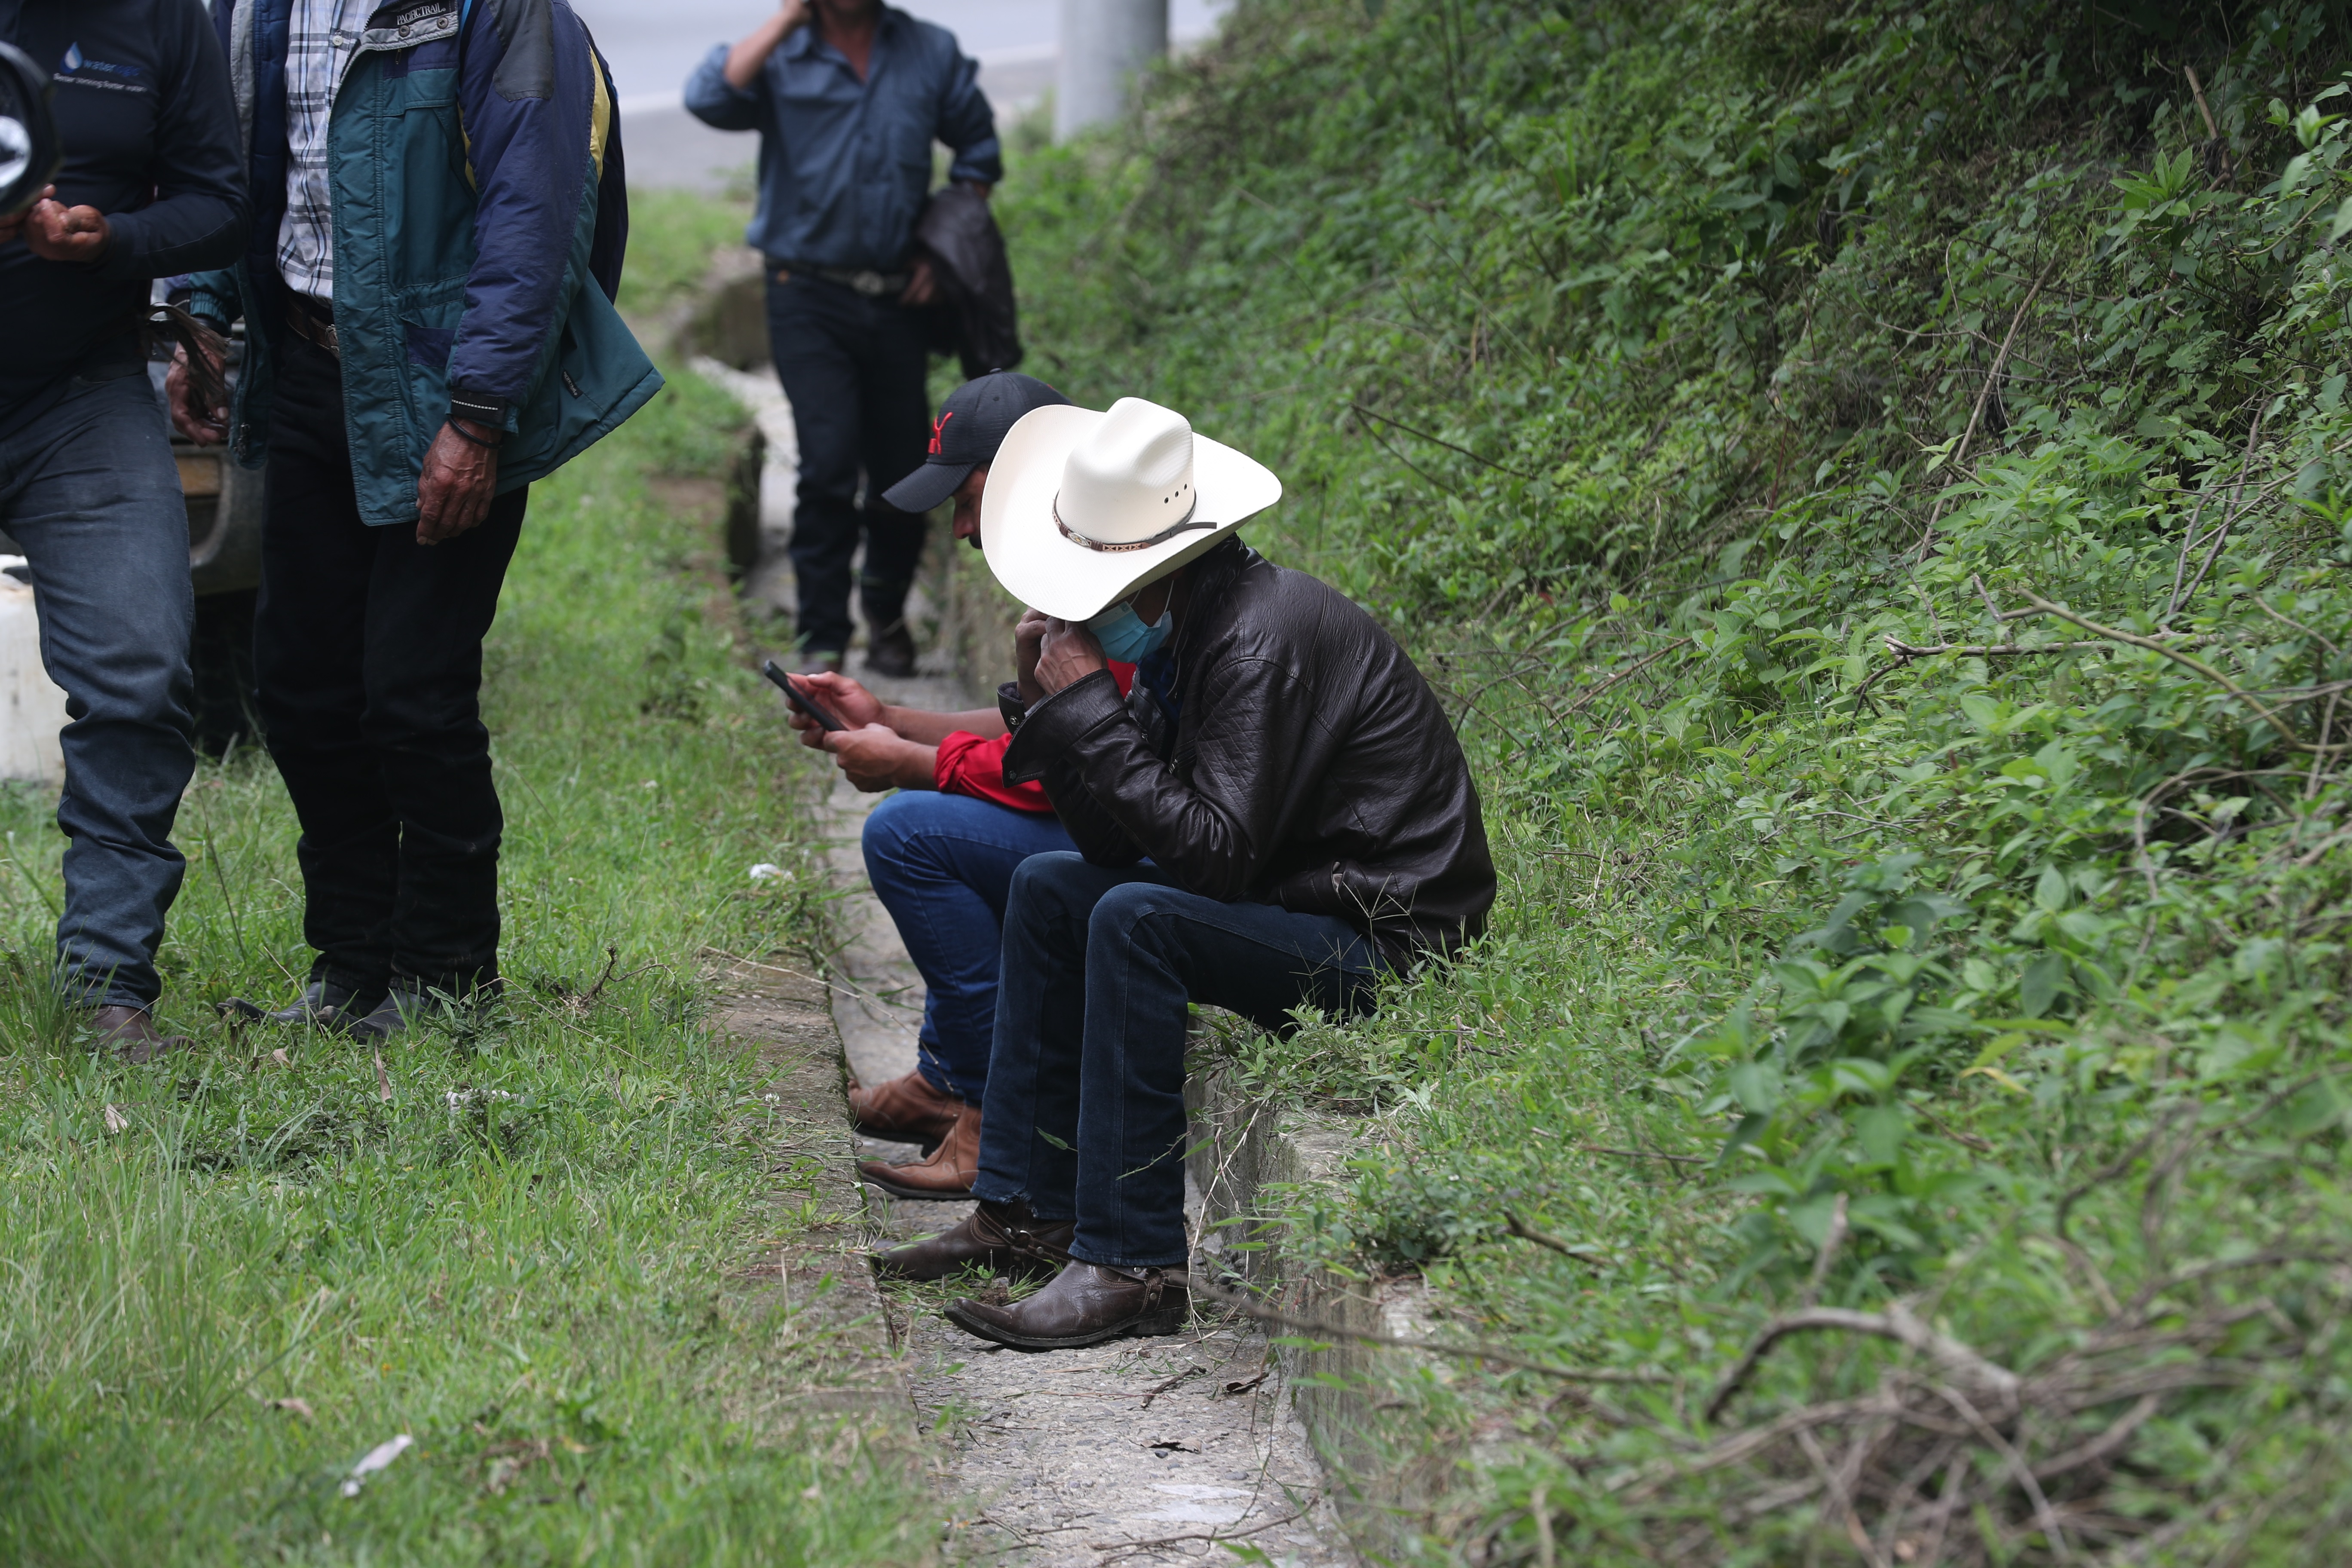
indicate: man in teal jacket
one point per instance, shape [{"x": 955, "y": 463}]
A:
[{"x": 440, "y": 215}]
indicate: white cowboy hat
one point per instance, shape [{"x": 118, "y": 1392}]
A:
[{"x": 1083, "y": 509}]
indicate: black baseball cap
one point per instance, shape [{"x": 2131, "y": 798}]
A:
[{"x": 972, "y": 426}]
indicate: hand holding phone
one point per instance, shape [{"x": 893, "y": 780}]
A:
[{"x": 801, "y": 700}]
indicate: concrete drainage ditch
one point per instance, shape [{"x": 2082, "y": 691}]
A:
[{"x": 1136, "y": 1451}]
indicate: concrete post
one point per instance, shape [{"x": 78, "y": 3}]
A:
[{"x": 1104, "y": 44}]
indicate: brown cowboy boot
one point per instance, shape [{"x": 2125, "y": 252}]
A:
[
  {"x": 947, "y": 1173},
  {"x": 906, "y": 1110},
  {"x": 129, "y": 1033},
  {"x": 1001, "y": 1238},
  {"x": 1085, "y": 1305}
]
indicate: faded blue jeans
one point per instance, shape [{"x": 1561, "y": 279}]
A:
[
  {"x": 1085, "y": 1111},
  {"x": 943, "y": 865},
  {"x": 90, "y": 491}
]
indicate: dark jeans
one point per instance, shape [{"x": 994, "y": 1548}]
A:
[
  {"x": 854, "y": 369},
  {"x": 1085, "y": 1113},
  {"x": 90, "y": 489},
  {"x": 943, "y": 865},
  {"x": 368, "y": 649}
]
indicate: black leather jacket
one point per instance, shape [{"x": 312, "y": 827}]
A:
[{"x": 1311, "y": 768}]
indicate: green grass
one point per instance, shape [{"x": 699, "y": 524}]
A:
[
  {"x": 532, "y": 1256},
  {"x": 671, "y": 237}
]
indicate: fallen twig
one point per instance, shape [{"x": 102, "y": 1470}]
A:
[
  {"x": 2107, "y": 1445},
  {"x": 1164, "y": 1387},
  {"x": 1896, "y": 1323},
  {"x": 2017, "y": 1469},
  {"x": 1118, "y": 1549}
]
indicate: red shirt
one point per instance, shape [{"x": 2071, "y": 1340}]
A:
[{"x": 967, "y": 765}]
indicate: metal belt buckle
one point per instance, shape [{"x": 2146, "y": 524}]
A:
[
  {"x": 870, "y": 284},
  {"x": 321, "y": 332}
]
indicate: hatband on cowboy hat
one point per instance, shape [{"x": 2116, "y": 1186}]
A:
[{"x": 1083, "y": 509}]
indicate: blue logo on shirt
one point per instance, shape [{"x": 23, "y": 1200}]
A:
[{"x": 76, "y": 60}]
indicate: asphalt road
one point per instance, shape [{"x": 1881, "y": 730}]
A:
[{"x": 654, "y": 45}]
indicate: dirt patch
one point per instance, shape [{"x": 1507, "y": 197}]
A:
[{"x": 690, "y": 497}]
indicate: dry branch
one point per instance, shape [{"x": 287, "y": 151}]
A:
[
  {"x": 1984, "y": 394},
  {"x": 1896, "y": 1323}
]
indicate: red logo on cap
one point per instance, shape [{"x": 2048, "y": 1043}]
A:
[{"x": 938, "y": 426}]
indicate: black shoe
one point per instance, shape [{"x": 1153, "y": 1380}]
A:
[
  {"x": 324, "y": 1005},
  {"x": 411, "y": 1002},
  {"x": 890, "y": 650}
]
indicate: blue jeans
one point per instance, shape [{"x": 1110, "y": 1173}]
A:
[
  {"x": 1085, "y": 1113},
  {"x": 91, "y": 491},
  {"x": 943, "y": 865}
]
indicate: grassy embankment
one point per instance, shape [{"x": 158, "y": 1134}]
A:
[
  {"x": 1870, "y": 481},
  {"x": 224, "y": 1279}
]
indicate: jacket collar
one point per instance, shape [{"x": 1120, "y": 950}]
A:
[
  {"x": 805, "y": 44},
  {"x": 1208, "y": 611}
]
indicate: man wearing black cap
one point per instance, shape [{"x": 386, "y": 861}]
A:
[{"x": 941, "y": 854}]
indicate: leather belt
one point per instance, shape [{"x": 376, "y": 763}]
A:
[
  {"x": 863, "y": 281},
  {"x": 307, "y": 325}
]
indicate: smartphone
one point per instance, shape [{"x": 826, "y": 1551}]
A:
[{"x": 826, "y": 717}]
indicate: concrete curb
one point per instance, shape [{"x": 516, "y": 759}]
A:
[
  {"x": 783, "y": 1011},
  {"x": 1251, "y": 1162}
]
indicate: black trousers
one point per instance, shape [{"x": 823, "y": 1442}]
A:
[
  {"x": 368, "y": 652},
  {"x": 854, "y": 368}
]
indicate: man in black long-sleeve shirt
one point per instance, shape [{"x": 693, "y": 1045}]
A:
[{"x": 152, "y": 185}]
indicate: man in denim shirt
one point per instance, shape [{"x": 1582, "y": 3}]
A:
[{"x": 848, "y": 97}]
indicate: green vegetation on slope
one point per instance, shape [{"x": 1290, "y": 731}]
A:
[
  {"x": 228, "y": 1276},
  {"x": 1870, "y": 480}
]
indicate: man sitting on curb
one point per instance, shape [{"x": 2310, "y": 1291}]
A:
[
  {"x": 1308, "y": 820},
  {"x": 941, "y": 856}
]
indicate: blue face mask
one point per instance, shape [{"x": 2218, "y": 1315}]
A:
[{"x": 1125, "y": 638}]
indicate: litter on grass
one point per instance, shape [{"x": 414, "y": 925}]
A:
[
  {"x": 375, "y": 1459},
  {"x": 766, "y": 872}
]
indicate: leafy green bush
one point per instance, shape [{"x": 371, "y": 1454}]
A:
[{"x": 1872, "y": 483}]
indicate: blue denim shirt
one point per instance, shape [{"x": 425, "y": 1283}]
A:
[{"x": 844, "y": 165}]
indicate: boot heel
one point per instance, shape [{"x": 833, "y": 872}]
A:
[{"x": 1168, "y": 1317}]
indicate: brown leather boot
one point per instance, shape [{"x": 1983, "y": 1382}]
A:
[
  {"x": 906, "y": 1110},
  {"x": 132, "y": 1035},
  {"x": 947, "y": 1173},
  {"x": 1085, "y": 1305},
  {"x": 1001, "y": 1238}
]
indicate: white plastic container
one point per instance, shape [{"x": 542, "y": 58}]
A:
[{"x": 32, "y": 708}]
